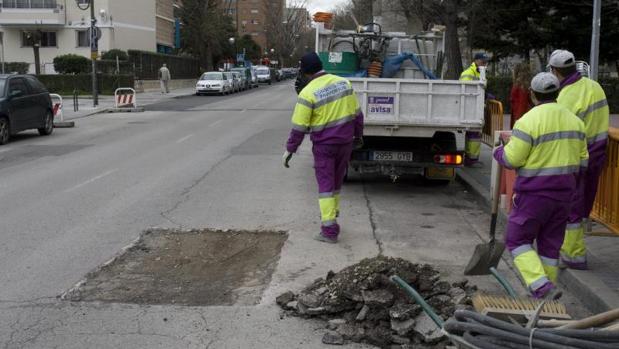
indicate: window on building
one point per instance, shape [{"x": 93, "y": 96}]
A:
[
  {"x": 82, "y": 38},
  {"x": 29, "y": 4},
  {"x": 254, "y": 21},
  {"x": 255, "y": 34},
  {"x": 48, "y": 39},
  {"x": 253, "y": 10}
]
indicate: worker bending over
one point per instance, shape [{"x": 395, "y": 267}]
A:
[
  {"x": 585, "y": 98},
  {"x": 548, "y": 150},
  {"x": 327, "y": 109},
  {"x": 472, "y": 143}
]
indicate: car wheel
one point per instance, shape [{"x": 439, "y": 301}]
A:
[
  {"x": 5, "y": 131},
  {"x": 48, "y": 126}
]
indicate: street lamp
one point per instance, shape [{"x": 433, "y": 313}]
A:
[
  {"x": 94, "y": 45},
  {"x": 232, "y": 41}
]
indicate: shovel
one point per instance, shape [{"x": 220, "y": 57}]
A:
[{"x": 488, "y": 255}]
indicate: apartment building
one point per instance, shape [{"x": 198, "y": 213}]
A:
[
  {"x": 168, "y": 25},
  {"x": 255, "y": 17},
  {"x": 64, "y": 25}
]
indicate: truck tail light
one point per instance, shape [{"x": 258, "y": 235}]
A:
[{"x": 448, "y": 159}]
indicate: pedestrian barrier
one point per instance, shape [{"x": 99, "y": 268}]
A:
[
  {"x": 125, "y": 97},
  {"x": 606, "y": 206},
  {"x": 493, "y": 121},
  {"x": 58, "y": 113}
]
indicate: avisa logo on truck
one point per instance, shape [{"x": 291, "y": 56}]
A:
[{"x": 380, "y": 105}]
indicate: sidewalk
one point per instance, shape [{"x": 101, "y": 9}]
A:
[
  {"x": 598, "y": 288},
  {"x": 105, "y": 102}
]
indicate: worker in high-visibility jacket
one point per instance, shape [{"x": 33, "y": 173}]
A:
[
  {"x": 472, "y": 140},
  {"x": 327, "y": 108},
  {"x": 548, "y": 150},
  {"x": 585, "y": 98}
]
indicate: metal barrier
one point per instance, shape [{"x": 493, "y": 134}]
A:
[
  {"x": 125, "y": 100},
  {"x": 606, "y": 206},
  {"x": 493, "y": 121}
]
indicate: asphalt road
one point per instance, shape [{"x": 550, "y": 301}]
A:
[{"x": 72, "y": 201}]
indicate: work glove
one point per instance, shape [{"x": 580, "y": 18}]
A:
[
  {"x": 286, "y": 158},
  {"x": 357, "y": 143}
]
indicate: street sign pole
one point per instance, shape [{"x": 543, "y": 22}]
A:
[
  {"x": 595, "y": 39},
  {"x": 94, "y": 52}
]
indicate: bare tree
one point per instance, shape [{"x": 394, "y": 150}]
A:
[{"x": 286, "y": 26}]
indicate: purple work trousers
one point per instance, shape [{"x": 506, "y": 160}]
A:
[
  {"x": 537, "y": 218},
  {"x": 331, "y": 163},
  {"x": 586, "y": 190}
]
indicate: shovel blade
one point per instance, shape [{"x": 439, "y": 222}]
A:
[{"x": 485, "y": 256}]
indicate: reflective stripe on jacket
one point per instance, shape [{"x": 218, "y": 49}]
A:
[
  {"x": 327, "y": 109},
  {"x": 586, "y": 98},
  {"x": 470, "y": 74},
  {"x": 548, "y": 149}
]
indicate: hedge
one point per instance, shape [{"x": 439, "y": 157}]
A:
[
  {"x": 66, "y": 84},
  {"x": 72, "y": 64},
  {"x": 501, "y": 86},
  {"x": 16, "y": 67}
]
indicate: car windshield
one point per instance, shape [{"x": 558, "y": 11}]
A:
[
  {"x": 211, "y": 76},
  {"x": 2, "y": 83},
  {"x": 262, "y": 71}
]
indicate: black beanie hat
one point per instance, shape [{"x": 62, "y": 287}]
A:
[{"x": 310, "y": 63}]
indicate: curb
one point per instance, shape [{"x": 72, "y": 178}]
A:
[{"x": 589, "y": 289}]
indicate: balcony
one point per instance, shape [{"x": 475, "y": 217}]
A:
[{"x": 31, "y": 12}]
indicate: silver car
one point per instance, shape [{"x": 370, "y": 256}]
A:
[
  {"x": 213, "y": 82},
  {"x": 233, "y": 81},
  {"x": 241, "y": 80}
]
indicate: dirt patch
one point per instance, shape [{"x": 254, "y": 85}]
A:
[
  {"x": 187, "y": 267},
  {"x": 361, "y": 304}
]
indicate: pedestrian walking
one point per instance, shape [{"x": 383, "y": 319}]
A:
[
  {"x": 472, "y": 140},
  {"x": 519, "y": 95},
  {"x": 327, "y": 108},
  {"x": 548, "y": 150},
  {"x": 164, "y": 78},
  {"x": 585, "y": 98}
]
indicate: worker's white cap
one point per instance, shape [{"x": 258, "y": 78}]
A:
[
  {"x": 545, "y": 83},
  {"x": 561, "y": 59}
]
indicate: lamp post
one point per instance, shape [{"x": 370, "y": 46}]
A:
[
  {"x": 232, "y": 41},
  {"x": 94, "y": 47},
  {"x": 595, "y": 39}
]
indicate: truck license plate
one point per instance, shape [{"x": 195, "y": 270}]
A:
[{"x": 392, "y": 156}]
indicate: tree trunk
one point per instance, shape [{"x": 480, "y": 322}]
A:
[
  {"x": 452, "y": 42},
  {"x": 37, "y": 59}
]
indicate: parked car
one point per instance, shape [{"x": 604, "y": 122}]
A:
[
  {"x": 233, "y": 81},
  {"x": 264, "y": 74},
  {"x": 240, "y": 78},
  {"x": 254, "y": 77},
  {"x": 246, "y": 76},
  {"x": 213, "y": 82},
  {"x": 25, "y": 104}
]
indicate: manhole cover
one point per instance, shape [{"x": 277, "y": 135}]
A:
[{"x": 196, "y": 267}]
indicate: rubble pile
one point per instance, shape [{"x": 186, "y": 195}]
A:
[{"x": 361, "y": 304}]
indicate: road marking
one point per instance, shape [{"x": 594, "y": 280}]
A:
[
  {"x": 216, "y": 123},
  {"x": 4, "y": 150},
  {"x": 184, "y": 139},
  {"x": 91, "y": 180},
  {"x": 243, "y": 111}
]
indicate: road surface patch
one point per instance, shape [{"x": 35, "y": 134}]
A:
[{"x": 187, "y": 267}]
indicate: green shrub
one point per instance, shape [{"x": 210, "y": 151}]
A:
[
  {"x": 66, "y": 84},
  {"x": 16, "y": 67},
  {"x": 112, "y": 54},
  {"x": 71, "y": 64},
  {"x": 105, "y": 66}
]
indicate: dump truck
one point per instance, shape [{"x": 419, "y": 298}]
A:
[{"x": 415, "y": 121}]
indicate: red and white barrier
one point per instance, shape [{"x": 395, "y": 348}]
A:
[
  {"x": 57, "y": 106},
  {"x": 125, "y": 97}
]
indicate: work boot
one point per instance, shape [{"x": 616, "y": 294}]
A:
[
  {"x": 576, "y": 266},
  {"x": 546, "y": 290},
  {"x": 322, "y": 238}
]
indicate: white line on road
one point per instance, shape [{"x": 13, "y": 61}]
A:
[
  {"x": 91, "y": 180},
  {"x": 216, "y": 123},
  {"x": 4, "y": 150},
  {"x": 184, "y": 139}
]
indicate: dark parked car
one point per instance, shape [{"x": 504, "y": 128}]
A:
[{"x": 24, "y": 104}]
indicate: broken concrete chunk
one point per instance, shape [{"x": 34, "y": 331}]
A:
[
  {"x": 400, "y": 340},
  {"x": 320, "y": 291},
  {"x": 335, "y": 323},
  {"x": 301, "y": 309},
  {"x": 460, "y": 283},
  {"x": 379, "y": 297},
  {"x": 347, "y": 331},
  {"x": 402, "y": 328},
  {"x": 427, "y": 330},
  {"x": 316, "y": 311},
  {"x": 333, "y": 338},
  {"x": 441, "y": 287},
  {"x": 404, "y": 311},
  {"x": 284, "y": 298},
  {"x": 310, "y": 300},
  {"x": 291, "y": 305},
  {"x": 362, "y": 313}
]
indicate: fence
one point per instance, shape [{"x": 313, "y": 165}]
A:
[
  {"x": 606, "y": 207},
  {"x": 147, "y": 65},
  {"x": 493, "y": 121}
]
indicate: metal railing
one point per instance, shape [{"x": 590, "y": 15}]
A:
[
  {"x": 606, "y": 206},
  {"x": 493, "y": 121},
  {"x": 29, "y": 4}
]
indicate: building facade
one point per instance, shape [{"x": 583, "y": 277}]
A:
[
  {"x": 255, "y": 18},
  {"x": 168, "y": 25},
  {"x": 64, "y": 26}
]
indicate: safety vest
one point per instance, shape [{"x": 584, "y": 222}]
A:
[
  {"x": 547, "y": 148},
  {"x": 326, "y": 109},
  {"x": 470, "y": 74},
  {"x": 587, "y": 100}
]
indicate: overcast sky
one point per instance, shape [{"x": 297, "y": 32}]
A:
[{"x": 322, "y": 5}]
